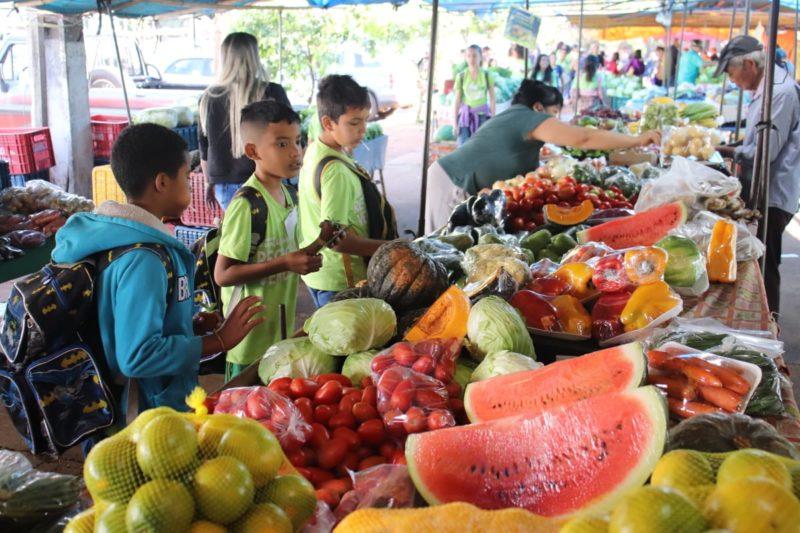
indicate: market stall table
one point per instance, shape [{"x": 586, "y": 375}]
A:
[{"x": 33, "y": 260}]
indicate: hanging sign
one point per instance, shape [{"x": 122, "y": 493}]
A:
[{"x": 522, "y": 27}]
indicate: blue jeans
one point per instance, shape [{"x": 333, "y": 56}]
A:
[
  {"x": 321, "y": 297},
  {"x": 463, "y": 133},
  {"x": 224, "y": 193}
]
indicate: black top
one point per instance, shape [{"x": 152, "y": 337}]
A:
[{"x": 215, "y": 142}]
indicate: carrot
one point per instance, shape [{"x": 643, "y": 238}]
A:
[
  {"x": 687, "y": 409},
  {"x": 729, "y": 378},
  {"x": 721, "y": 397},
  {"x": 700, "y": 376},
  {"x": 675, "y": 387},
  {"x": 657, "y": 358}
]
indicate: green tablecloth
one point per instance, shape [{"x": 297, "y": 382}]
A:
[{"x": 32, "y": 261}]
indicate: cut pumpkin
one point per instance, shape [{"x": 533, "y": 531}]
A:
[
  {"x": 568, "y": 216},
  {"x": 445, "y": 319}
]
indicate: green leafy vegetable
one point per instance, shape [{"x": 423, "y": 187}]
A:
[
  {"x": 501, "y": 363},
  {"x": 357, "y": 365},
  {"x": 494, "y": 326},
  {"x": 350, "y": 326},
  {"x": 686, "y": 264},
  {"x": 295, "y": 358}
]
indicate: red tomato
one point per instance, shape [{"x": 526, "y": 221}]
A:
[
  {"x": 303, "y": 388},
  {"x": 393, "y": 422},
  {"x": 566, "y": 192},
  {"x": 453, "y": 390},
  {"x": 381, "y": 363},
  {"x": 399, "y": 458},
  {"x": 306, "y": 409},
  {"x": 387, "y": 449},
  {"x": 364, "y": 452},
  {"x": 348, "y": 435},
  {"x": 440, "y": 418},
  {"x": 404, "y": 354},
  {"x": 369, "y": 462},
  {"x": 444, "y": 371},
  {"x": 329, "y": 393},
  {"x": 257, "y": 407},
  {"x": 424, "y": 365},
  {"x": 518, "y": 223},
  {"x": 318, "y": 476},
  {"x": 532, "y": 193},
  {"x": 319, "y": 435},
  {"x": 537, "y": 312},
  {"x": 339, "y": 486},
  {"x": 323, "y": 413},
  {"x": 370, "y": 395},
  {"x": 302, "y": 457},
  {"x": 605, "y": 205},
  {"x": 332, "y": 453},
  {"x": 364, "y": 411},
  {"x": 551, "y": 198},
  {"x": 456, "y": 405},
  {"x": 328, "y": 496},
  {"x": 351, "y": 460},
  {"x": 372, "y": 431},
  {"x": 324, "y": 378},
  {"x": 366, "y": 381},
  {"x": 281, "y": 386},
  {"x": 530, "y": 226},
  {"x": 342, "y": 419},
  {"x": 415, "y": 421},
  {"x": 428, "y": 399},
  {"x": 516, "y": 194},
  {"x": 303, "y": 472},
  {"x": 346, "y": 404},
  {"x": 402, "y": 395}
]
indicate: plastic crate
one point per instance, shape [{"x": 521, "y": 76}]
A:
[
  {"x": 372, "y": 154},
  {"x": 27, "y": 150},
  {"x": 105, "y": 186},
  {"x": 5, "y": 175},
  {"x": 618, "y": 102},
  {"x": 189, "y": 134},
  {"x": 105, "y": 130},
  {"x": 188, "y": 235},
  {"x": 198, "y": 214}
]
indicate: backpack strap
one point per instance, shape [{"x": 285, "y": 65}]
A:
[
  {"x": 258, "y": 217},
  {"x": 104, "y": 259},
  {"x": 326, "y": 161}
]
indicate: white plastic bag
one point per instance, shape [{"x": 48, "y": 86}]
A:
[
  {"x": 699, "y": 229},
  {"x": 689, "y": 182}
]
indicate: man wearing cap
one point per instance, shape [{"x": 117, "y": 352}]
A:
[{"x": 744, "y": 60}]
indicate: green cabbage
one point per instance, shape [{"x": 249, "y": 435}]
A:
[
  {"x": 686, "y": 264},
  {"x": 163, "y": 116},
  {"x": 463, "y": 374},
  {"x": 295, "y": 358},
  {"x": 501, "y": 363},
  {"x": 185, "y": 115},
  {"x": 357, "y": 365},
  {"x": 350, "y": 326},
  {"x": 493, "y": 326}
]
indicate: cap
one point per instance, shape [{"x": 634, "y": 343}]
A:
[{"x": 738, "y": 46}]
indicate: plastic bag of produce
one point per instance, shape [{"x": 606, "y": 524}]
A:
[
  {"x": 434, "y": 357},
  {"x": 185, "y": 115},
  {"x": 274, "y": 411},
  {"x": 26, "y": 239},
  {"x": 689, "y": 182},
  {"x": 163, "y": 116},
  {"x": 40, "y": 195},
  {"x": 493, "y": 326},
  {"x": 490, "y": 252},
  {"x": 411, "y": 402},
  {"x": 350, "y": 326},
  {"x": 383, "y": 486},
  {"x": 699, "y": 229},
  {"x": 501, "y": 363},
  {"x": 28, "y": 496},
  {"x": 358, "y": 366},
  {"x": 294, "y": 358},
  {"x": 686, "y": 266}
]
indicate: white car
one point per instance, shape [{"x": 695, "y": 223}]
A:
[{"x": 188, "y": 73}]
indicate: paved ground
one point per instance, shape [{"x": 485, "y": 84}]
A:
[{"x": 402, "y": 177}]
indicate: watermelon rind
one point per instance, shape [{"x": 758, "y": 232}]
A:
[
  {"x": 594, "y": 233},
  {"x": 633, "y": 352},
  {"x": 653, "y": 403}
]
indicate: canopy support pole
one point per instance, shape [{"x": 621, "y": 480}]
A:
[
  {"x": 428, "y": 115},
  {"x": 680, "y": 47},
  {"x": 796, "y": 17},
  {"x": 280, "y": 45},
  {"x": 741, "y": 92},
  {"x": 527, "y": 50},
  {"x": 760, "y": 189},
  {"x": 578, "y": 67},
  {"x": 725, "y": 74},
  {"x": 119, "y": 60}
]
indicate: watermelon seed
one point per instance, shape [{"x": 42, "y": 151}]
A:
[
  {"x": 619, "y": 426},
  {"x": 516, "y": 468},
  {"x": 472, "y": 469},
  {"x": 505, "y": 471},
  {"x": 497, "y": 474},
  {"x": 483, "y": 469}
]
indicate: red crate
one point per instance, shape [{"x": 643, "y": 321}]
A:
[
  {"x": 27, "y": 150},
  {"x": 105, "y": 130},
  {"x": 198, "y": 214}
]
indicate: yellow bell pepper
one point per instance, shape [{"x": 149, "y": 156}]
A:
[
  {"x": 572, "y": 315},
  {"x": 577, "y": 276},
  {"x": 722, "y": 252},
  {"x": 647, "y": 303},
  {"x": 646, "y": 264}
]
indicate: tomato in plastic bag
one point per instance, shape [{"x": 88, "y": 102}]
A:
[
  {"x": 433, "y": 357},
  {"x": 382, "y": 486},
  {"x": 411, "y": 402}
]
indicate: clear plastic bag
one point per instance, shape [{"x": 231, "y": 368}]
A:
[
  {"x": 274, "y": 411},
  {"x": 435, "y": 358},
  {"x": 38, "y": 195},
  {"x": 382, "y": 486},
  {"x": 689, "y": 182},
  {"x": 691, "y": 141},
  {"x": 323, "y": 520},
  {"x": 699, "y": 229},
  {"x": 28, "y": 495}
]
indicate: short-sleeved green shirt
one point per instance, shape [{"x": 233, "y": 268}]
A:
[
  {"x": 342, "y": 202},
  {"x": 474, "y": 93},
  {"x": 277, "y": 289}
]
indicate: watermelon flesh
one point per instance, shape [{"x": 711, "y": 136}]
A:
[
  {"x": 578, "y": 457},
  {"x": 533, "y": 391},
  {"x": 642, "y": 229}
]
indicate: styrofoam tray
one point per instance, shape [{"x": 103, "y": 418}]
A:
[{"x": 644, "y": 332}]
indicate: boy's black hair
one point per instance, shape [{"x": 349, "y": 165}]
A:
[
  {"x": 141, "y": 152},
  {"x": 268, "y": 112},
  {"x": 337, "y": 93}
]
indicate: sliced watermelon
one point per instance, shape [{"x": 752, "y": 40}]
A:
[
  {"x": 578, "y": 457},
  {"x": 641, "y": 229},
  {"x": 533, "y": 391}
]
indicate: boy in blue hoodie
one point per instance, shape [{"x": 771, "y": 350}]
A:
[{"x": 146, "y": 330}]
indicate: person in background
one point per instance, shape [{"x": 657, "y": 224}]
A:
[
  {"x": 564, "y": 67},
  {"x": 487, "y": 60},
  {"x": 612, "y": 65},
  {"x": 242, "y": 80},
  {"x": 744, "y": 60},
  {"x": 713, "y": 55},
  {"x": 782, "y": 60},
  {"x": 589, "y": 91},
  {"x": 660, "y": 71},
  {"x": 544, "y": 72},
  {"x": 635, "y": 65},
  {"x": 690, "y": 64},
  {"x": 475, "y": 100},
  {"x": 673, "y": 62}
]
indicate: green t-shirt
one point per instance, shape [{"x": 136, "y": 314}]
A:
[
  {"x": 276, "y": 289},
  {"x": 474, "y": 93},
  {"x": 342, "y": 202},
  {"x": 499, "y": 150}
]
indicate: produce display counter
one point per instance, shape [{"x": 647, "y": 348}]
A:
[{"x": 33, "y": 260}]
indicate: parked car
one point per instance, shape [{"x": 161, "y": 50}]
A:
[
  {"x": 188, "y": 73},
  {"x": 370, "y": 73}
]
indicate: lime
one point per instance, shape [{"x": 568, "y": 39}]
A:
[
  {"x": 264, "y": 517},
  {"x": 751, "y": 463},
  {"x": 682, "y": 468},
  {"x": 160, "y": 505},
  {"x": 223, "y": 489},
  {"x": 294, "y": 494},
  {"x": 210, "y": 433},
  {"x": 134, "y": 430},
  {"x": 257, "y": 448},
  {"x": 753, "y": 505},
  {"x": 202, "y": 526},
  {"x": 656, "y": 510},
  {"x": 81, "y": 523},
  {"x": 585, "y": 524},
  {"x": 167, "y": 447},
  {"x": 111, "y": 472},
  {"x": 112, "y": 520}
]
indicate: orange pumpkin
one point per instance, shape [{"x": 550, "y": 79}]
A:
[
  {"x": 446, "y": 318},
  {"x": 568, "y": 216}
]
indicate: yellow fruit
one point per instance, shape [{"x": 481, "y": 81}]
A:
[
  {"x": 262, "y": 518},
  {"x": 257, "y": 448},
  {"x": 210, "y": 433},
  {"x": 112, "y": 520},
  {"x": 656, "y": 510},
  {"x": 81, "y": 523},
  {"x": 697, "y": 494},
  {"x": 223, "y": 489},
  {"x": 202, "y": 526},
  {"x": 134, "y": 430},
  {"x": 750, "y": 463},
  {"x": 294, "y": 494},
  {"x": 111, "y": 472},
  {"x": 195, "y": 419},
  {"x": 752, "y": 505},
  {"x": 682, "y": 468},
  {"x": 160, "y": 505},
  {"x": 585, "y": 524},
  {"x": 167, "y": 447}
]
